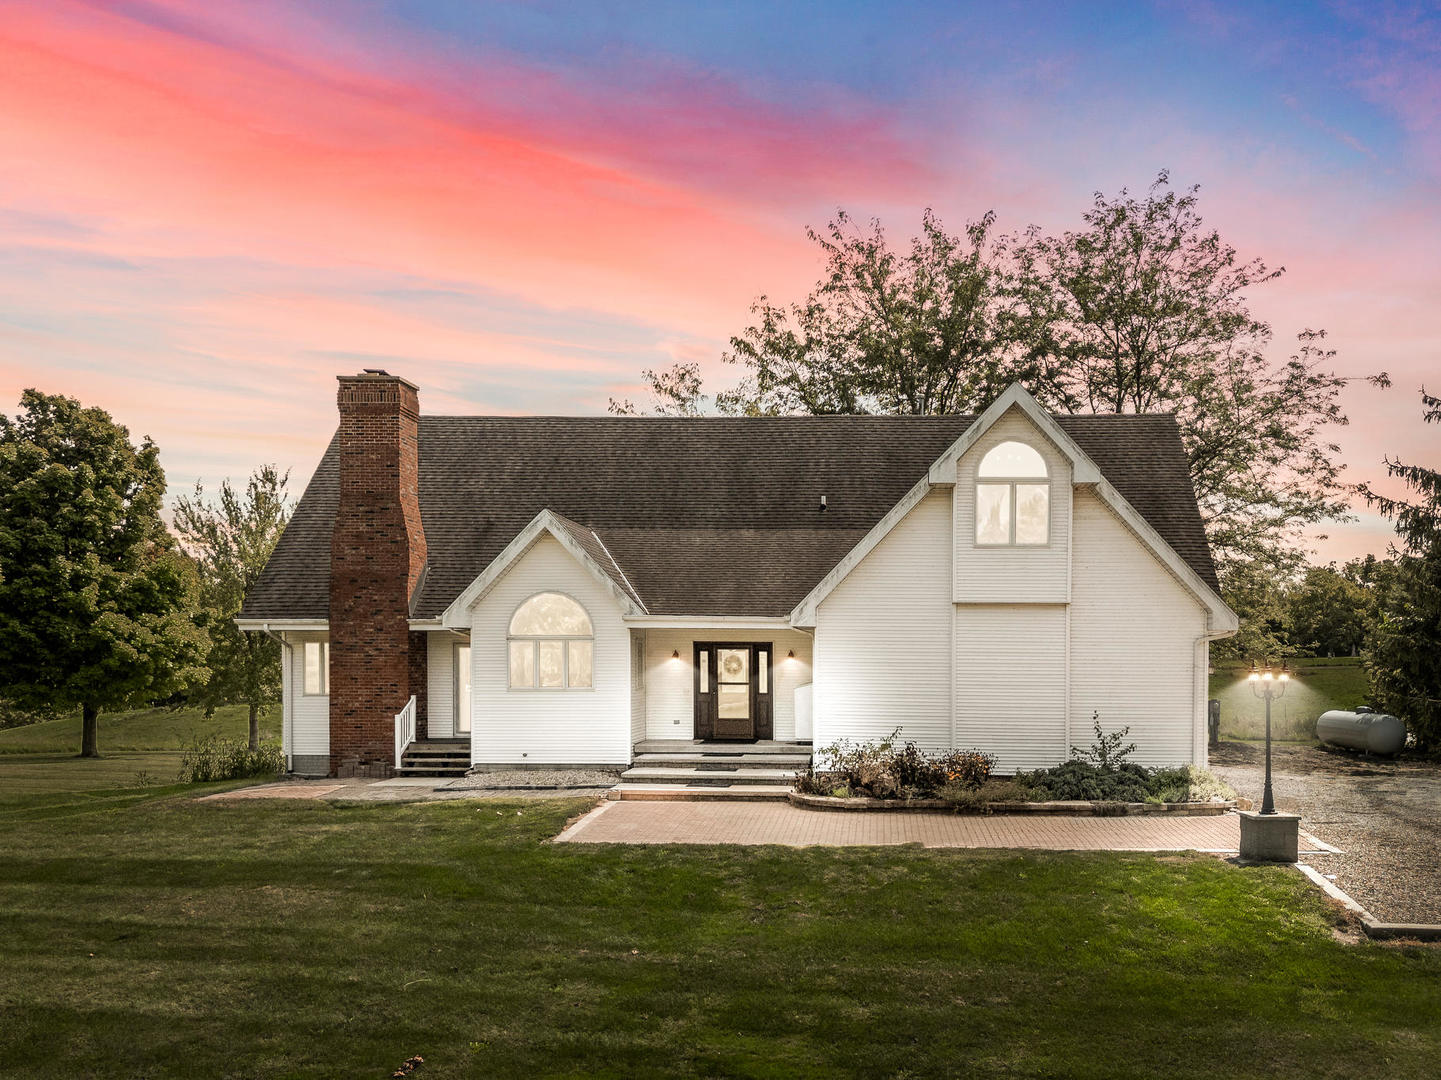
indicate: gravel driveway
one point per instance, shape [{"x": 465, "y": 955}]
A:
[{"x": 1384, "y": 815}]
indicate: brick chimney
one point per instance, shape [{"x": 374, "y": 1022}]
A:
[{"x": 377, "y": 555}]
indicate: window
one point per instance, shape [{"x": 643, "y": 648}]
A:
[
  {"x": 462, "y": 689},
  {"x": 317, "y": 668},
  {"x": 1013, "y": 497},
  {"x": 551, "y": 645}
]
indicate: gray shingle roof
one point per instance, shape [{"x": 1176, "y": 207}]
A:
[{"x": 712, "y": 516}]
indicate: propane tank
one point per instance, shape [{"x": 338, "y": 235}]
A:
[{"x": 1372, "y": 732}]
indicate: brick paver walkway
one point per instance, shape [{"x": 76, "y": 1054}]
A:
[{"x": 781, "y": 823}]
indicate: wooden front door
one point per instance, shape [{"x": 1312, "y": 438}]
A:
[{"x": 733, "y": 690}]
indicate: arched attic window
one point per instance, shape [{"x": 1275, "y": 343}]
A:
[
  {"x": 551, "y": 644},
  {"x": 1013, "y": 497}
]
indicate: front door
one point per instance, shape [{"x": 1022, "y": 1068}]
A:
[{"x": 733, "y": 690}]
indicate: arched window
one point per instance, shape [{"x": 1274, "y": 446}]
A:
[
  {"x": 1013, "y": 497},
  {"x": 551, "y": 644}
]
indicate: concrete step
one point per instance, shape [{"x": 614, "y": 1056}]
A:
[
  {"x": 631, "y": 792},
  {"x": 689, "y": 777},
  {"x": 720, "y": 748},
  {"x": 432, "y": 770},
  {"x": 692, "y": 760}
]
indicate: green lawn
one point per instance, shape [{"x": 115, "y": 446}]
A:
[
  {"x": 149, "y": 935},
  {"x": 143, "y": 729},
  {"x": 134, "y": 746},
  {"x": 1315, "y": 687}
]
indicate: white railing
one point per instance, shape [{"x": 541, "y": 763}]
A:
[{"x": 404, "y": 730}]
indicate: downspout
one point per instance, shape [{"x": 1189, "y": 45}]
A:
[{"x": 287, "y": 654}]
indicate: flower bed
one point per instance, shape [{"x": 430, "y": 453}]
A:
[{"x": 1098, "y": 781}]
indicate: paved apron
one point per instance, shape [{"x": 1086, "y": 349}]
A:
[{"x": 781, "y": 823}]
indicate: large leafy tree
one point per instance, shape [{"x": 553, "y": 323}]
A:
[
  {"x": 918, "y": 331},
  {"x": 96, "y": 601},
  {"x": 1141, "y": 309},
  {"x": 1404, "y": 652},
  {"x": 1144, "y": 309},
  {"x": 1328, "y": 612},
  {"x": 231, "y": 538}
]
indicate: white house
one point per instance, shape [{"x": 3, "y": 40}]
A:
[{"x": 561, "y": 590}]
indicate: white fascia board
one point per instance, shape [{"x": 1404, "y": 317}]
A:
[
  {"x": 427, "y": 624},
  {"x": 701, "y": 622},
  {"x": 456, "y": 616},
  {"x": 283, "y": 624},
  {"x": 1083, "y": 469},
  {"x": 804, "y": 613},
  {"x": 1220, "y": 619}
]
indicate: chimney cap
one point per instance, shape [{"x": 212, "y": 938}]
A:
[{"x": 374, "y": 375}]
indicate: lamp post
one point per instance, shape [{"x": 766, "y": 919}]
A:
[{"x": 1268, "y": 686}]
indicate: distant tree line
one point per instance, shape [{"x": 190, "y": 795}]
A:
[{"x": 102, "y": 606}]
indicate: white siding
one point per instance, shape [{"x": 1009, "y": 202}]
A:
[
  {"x": 670, "y": 682},
  {"x": 549, "y": 726},
  {"x": 1011, "y": 683},
  {"x": 1133, "y": 643},
  {"x": 1012, "y": 575},
  {"x": 883, "y": 637},
  {"x": 440, "y": 685},
  {"x": 309, "y": 722}
]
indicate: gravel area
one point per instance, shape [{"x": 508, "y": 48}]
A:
[
  {"x": 532, "y": 779},
  {"x": 1384, "y": 815}
]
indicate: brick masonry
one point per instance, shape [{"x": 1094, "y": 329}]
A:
[{"x": 377, "y": 556}]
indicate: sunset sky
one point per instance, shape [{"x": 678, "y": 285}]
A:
[{"x": 208, "y": 210}]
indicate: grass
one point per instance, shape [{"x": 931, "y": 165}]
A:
[
  {"x": 1315, "y": 687},
  {"x": 143, "y": 729},
  {"x": 43, "y": 757},
  {"x": 149, "y": 935}
]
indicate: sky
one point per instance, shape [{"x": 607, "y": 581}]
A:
[{"x": 208, "y": 211}]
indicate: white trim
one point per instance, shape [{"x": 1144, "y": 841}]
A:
[
  {"x": 1083, "y": 469},
  {"x": 701, "y": 622},
  {"x": 634, "y": 591},
  {"x": 455, "y": 616},
  {"x": 282, "y": 624},
  {"x": 1220, "y": 619},
  {"x": 804, "y": 613}
]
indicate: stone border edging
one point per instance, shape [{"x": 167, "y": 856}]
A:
[
  {"x": 1373, "y": 927},
  {"x": 1075, "y": 809}
]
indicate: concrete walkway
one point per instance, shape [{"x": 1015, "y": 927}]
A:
[{"x": 781, "y": 823}]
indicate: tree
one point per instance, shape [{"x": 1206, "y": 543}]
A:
[
  {"x": 676, "y": 391},
  {"x": 231, "y": 539},
  {"x": 923, "y": 331},
  {"x": 1258, "y": 598},
  {"x": 1144, "y": 310},
  {"x": 96, "y": 602},
  {"x": 1328, "y": 613},
  {"x": 1404, "y": 653}
]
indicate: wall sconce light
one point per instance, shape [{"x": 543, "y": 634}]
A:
[
  {"x": 791, "y": 655},
  {"x": 675, "y": 655}
]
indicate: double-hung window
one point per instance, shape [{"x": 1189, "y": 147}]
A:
[{"x": 317, "y": 668}]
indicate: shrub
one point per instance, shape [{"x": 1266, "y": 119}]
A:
[
  {"x": 218, "y": 758},
  {"x": 1078, "y": 780},
  {"x": 880, "y": 770}
]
